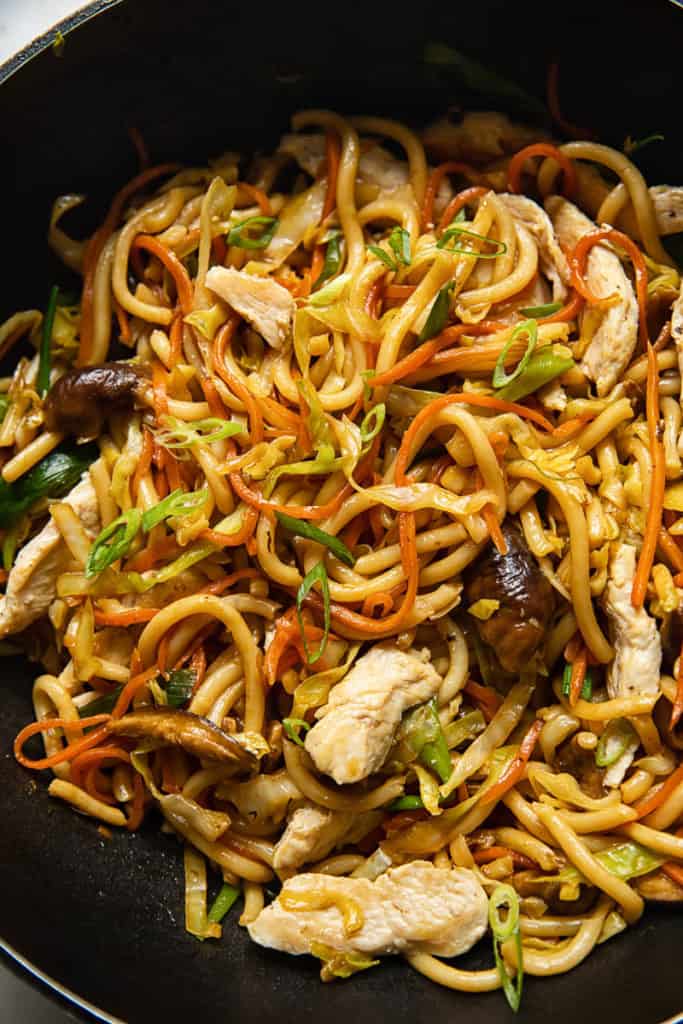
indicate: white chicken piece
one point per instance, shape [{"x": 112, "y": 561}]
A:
[
  {"x": 553, "y": 261},
  {"x": 611, "y": 347},
  {"x": 32, "y": 583},
  {"x": 638, "y": 648},
  {"x": 357, "y": 726},
  {"x": 263, "y": 798},
  {"x": 482, "y": 136},
  {"x": 409, "y": 909},
  {"x": 668, "y": 203},
  {"x": 263, "y": 303},
  {"x": 312, "y": 832},
  {"x": 677, "y": 328}
]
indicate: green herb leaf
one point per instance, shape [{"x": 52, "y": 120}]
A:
[
  {"x": 228, "y": 895},
  {"x": 52, "y": 477},
  {"x": 503, "y": 930},
  {"x": 302, "y": 528},
  {"x": 103, "y": 705},
  {"x": 632, "y": 146},
  {"x": 500, "y": 378},
  {"x": 177, "y": 503},
  {"x": 399, "y": 240},
  {"x": 543, "y": 367},
  {"x": 237, "y": 237},
  {"x": 333, "y": 258},
  {"x": 422, "y": 731},
  {"x": 318, "y": 574},
  {"x": 178, "y": 686},
  {"x": 45, "y": 341},
  {"x": 454, "y": 231},
  {"x": 373, "y": 421},
  {"x": 383, "y": 256},
  {"x": 538, "y": 312},
  {"x": 113, "y": 542},
  {"x": 438, "y": 314},
  {"x": 293, "y": 727},
  {"x": 586, "y": 689}
]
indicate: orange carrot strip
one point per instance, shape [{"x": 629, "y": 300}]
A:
[
  {"x": 425, "y": 353},
  {"x": 373, "y": 602},
  {"x": 468, "y": 195},
  {"x": 568, "y": 312},
  {"x": 516, "y": 165},
  {"x": 651, "y": 803},
  {"x": 137, "y": 808},
  {"x": 148, "y": 557},
  {"x": 514, "y": 771},
  {"x": 176, "y": 340},
  {"x": 144, "y": 462},
  {"x": 485, "y": 697},
  {"x": 219, "y": 586},
  {"x": 258, "y": 196},
  {"x": 577, "y": 262},
  {"x": 434, "y": 182},
  {"x": 174, "y": 267},
  {"x": 132, "y": 687},
  {"x": 129, "y": 617},
  {"x": 239, "y": 389},
  {"x": 579, "y": 666},
  {"x": 94, "y": 758},
  {"x": 71, "y": 750},
  {"x": 653, "y": 523}
]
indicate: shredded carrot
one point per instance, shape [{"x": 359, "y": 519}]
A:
[
  {"x": 425, "y": 353},
  {"x": 653, "y": 524},
  {"x": 256, "y": 500},
  {"x": 381, "y": 602},
  {"x": 223, "y": 338},
  {"x": 237, "y": 539},
  {"x": 129, "y": 617},
  {"x": 220, "y": 586},
  {"x": 258, "y": 196},
  {"x": 162, "y": 652},
  {"x": 93, "y": 758},
  {"x": 176, "y": 340},
  {"x": 332, "y": 159},
  {"x": 132, "y": 687},
  {"x": 434, "y": 182},
  {"x": 578, "y": 676},
  {"x": 491, "y": 853},
  {"x": 468, "y": 195},
  {"x": 145, "y": 559},
  {"x": 160, "y": 399},
  {"x": 565, "y": 431},
  {"x": 577, "y": 262},
  {"x": 651, "y": 803},
  {"x": 137, "y": 808},
  {"x": 95, "y": 246},
  {"x": 317, "y": 264},
  {"x": 123, "y": 322},
  {"x": 172, "y": 469},
  {"x": 144, "y": 462},
  {"x": 495, "y": 532},
  {"x": 485, "y": 697},
  {"x": 568, "y": 312},
  {"x": 515, "y": 770},
  {"x": 545, "y": 149},
  {"x": 68, "y": 752},
  {"x": 175, "y": 268}
]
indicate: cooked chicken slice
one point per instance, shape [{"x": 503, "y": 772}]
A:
[
  {"x": 553, "y": 261},
  {"x": 668, "y": 202},
  {"x": 263, "y": 798},
  {"x": 32, "y": 583},
  {"x": 357, "y": 725},
  {"x": 611, "y": 347},
  {"x": 659, "y": 888},
  {"x": 264, "y": 303},
  {"x": 409, "y": 909},
  {"x": 677, "y": 328},
  {"x": 637, "y": 644},
  {"x": 481, "y": 136},
  {"x": 182, "y": 729},
  {"x": 312, "y": 832},
  {"x": 376, "y": 166}
]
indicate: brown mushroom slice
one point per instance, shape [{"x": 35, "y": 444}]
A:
[
  {"x": 657, "y": 887},
  {"x": 177, "y": 728},
  {"x": 80, "y": 400}
]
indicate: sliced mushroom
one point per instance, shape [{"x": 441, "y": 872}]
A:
[
  {"x": 194, "y": 734},
  {"x": 80, "y": 400}
]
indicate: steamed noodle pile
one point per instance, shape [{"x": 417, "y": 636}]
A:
[{"x": 429, "y": 388}]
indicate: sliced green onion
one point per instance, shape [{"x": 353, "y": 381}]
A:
[
  {"x": 544, "y": 366},
  {"x": 177, "y": 503},
  {"x": 586, "y": 689},
  {"x": 367, "y": 376},
  {"x": 500, "y": 378},
  {"x": 302, "y": 528},
  {"x": 333, "y": 258},
  {"x": 614, "y": 742},
  {"x": 438, "y": 314},
  {"x": 538, "y": 312},
  {"x": 318, "y": 574},
  {"x": 632, "y": 146},
  {"x": 103, "y": 705},
  {"x": 331, "y": 292},
  {"x": 399, "y": 240},
  {"x": 140, "y": 584},
  {"x": 454, "y": 231},
  {"x": 386, "y": 259},
  {"x": 179, "y": 686},
  {"x": 113, "y": 542},
  {"x": 372, "y": 423},
  {"x": 236, "y": 236},
  {"x": 406, "y": 803},
  {"x": 228, "y": 895},
  {"x": 293, "y": 727},
  {"x": 503, "y": 931},
  {"x": 179, "y": 434},
  {"x": 45, "y": 342},
  {"x": 424, "y": 735}
]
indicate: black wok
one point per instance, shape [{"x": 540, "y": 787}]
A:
[{"x": 105, "y": 917}]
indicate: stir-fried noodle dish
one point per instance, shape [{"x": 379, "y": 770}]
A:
[{"x": 341, "y": 506}]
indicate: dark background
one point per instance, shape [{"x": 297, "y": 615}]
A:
[{"x": 103, "y": 917}]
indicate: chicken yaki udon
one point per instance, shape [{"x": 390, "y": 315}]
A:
[{"x": 342, "y": 510}]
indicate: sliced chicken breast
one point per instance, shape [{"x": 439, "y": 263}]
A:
[
  {"x": 637, "y": 644},
  {"x": 263, "y": 303},
  {"x": 357, "y": 726},
  {"x": 32, "y": 583},
  {"x": 613, "y": 343},
  {"x": 481, "y": 136},
  {"x": 409, "y": 909},
  {"x": 553, "y": 262},
  {"x": 263, "y": 798},
  {"x": 312, "y": 832}
]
